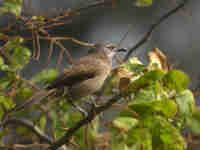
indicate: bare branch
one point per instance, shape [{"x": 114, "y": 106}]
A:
[
  {"x": 64, "y": 50},
  {"x": 30, "y": 126},
  {"x": 38, "y": 46},
  {"x": 153, "y": 27},
  {"x": 76, "y": 12},
  {"x": 50, "y": 51},
  {"x": 21, "y": 146}
]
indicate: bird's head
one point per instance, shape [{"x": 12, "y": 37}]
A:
[{"x": 108, "y": 50}]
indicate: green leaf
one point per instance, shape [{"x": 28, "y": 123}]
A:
[
  {"x": 45, "y": 76},
  {"x": 7, "y": 102},
  {"x": 1, "y": 61},
  {"x": 22, "y": 130},
  {"x": 168, "y": 108},
  {"x": 146, "y": 94},
  {"x": 1, "y": 112},
  {"x": 23, "y": 94},
  {"x": 3, "y": 66},
  {"x": 143, "y": 3},
  {"x": 12, "y": 6},
  {"x": 185, "y": 101},
  {"x": 134, "y": 65},
  {"x": 176, "y": 80},
  {"x": 20, "y": 57},
  {"x": 165, "y": 136},
  {"x": 147, "y": 79},
  {"x": 134, "y": 138},
  {"x": 125, "y": 123},
  {"x": 43, "y": 121},
  {"x": 193, "y": 122}
]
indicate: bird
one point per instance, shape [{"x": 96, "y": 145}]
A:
[{"x": 87, "y": 74}]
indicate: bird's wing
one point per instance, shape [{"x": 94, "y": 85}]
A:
[{"x": 80, "y": 71}]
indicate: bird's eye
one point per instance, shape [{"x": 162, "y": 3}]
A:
[{"x": 111, "y": 47}]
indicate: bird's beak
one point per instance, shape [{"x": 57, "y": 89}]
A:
[{"x": 122, "y": 50}]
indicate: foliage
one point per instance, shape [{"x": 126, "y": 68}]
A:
[
  {"x": 143, "y": 3},
  {"x": 159, "y": 105},
  {"x": 12, "y": 6},
  {"x": 158, "y": 102}
]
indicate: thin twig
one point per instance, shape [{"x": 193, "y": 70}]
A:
[
  {"x": 4, "y": 55},
  {"x": 29, "y": 83},
  {"x": 34, "y": 43},
  {"x": 64, "y": 50},
  {"x": 50, "y": 51},
  {"x": 38, "y": 45},
  {"x": 153, "y": 27},
  {"x": 60, "y": 58},
  {"x": 78, "y": 11}
]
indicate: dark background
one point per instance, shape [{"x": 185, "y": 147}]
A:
[{"x": 177, "y": 37}]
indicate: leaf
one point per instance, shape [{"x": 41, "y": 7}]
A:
[
  {"x": 12, "y": 6},
  {"x": 125, "y": 123},
  {"x": 185, "y": 101},
  {"x": 145, "y": 94},
  {"x": 134, "y": 65},
  {"x": 6, "y": 101},
  {"x": 167, "y": 108},
  {"x": 176, "y": 80},
  {"x": 45, "y": 76},
  {"x": 1, "y": 61},
  {"x": 3, "y": 66},
  {"x": 1, "y": 112},
  {"x": 193, "y": 122},
  {"x": 20, "y": 57},
  {"x": 157, "y": 57},
  {"x": 43, "y": 121},
  {"x": 23, "y": 94},
  {"x": 22, "y": 130},
  {"x": 124, "y": 84},
  {"x": 135, "y": 139},
  {"x": 165, "y": 136},
  {"x": 143, "y": 3},
  {"x": 147, "y": 79}
]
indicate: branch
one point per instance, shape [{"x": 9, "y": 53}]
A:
[
  {"x": 21, "y": 146},
  {"x": 91, "y": 115},
  {"x": 153, "y": 27},
  {"x": 30, "y": 126},
  {"x": 76, "y": 12}
]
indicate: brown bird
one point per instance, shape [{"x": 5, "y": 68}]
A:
[{"x": 87, "y": 75}]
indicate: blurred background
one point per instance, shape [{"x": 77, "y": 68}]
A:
[{"x": 177, "y": 37}]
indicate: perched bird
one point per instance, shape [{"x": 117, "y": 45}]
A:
[{"x": 87, "y": 74}]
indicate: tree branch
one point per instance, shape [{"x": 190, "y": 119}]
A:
[
  {"x": 153, "y": 27},
  {"x": 91, "y": 115},
  {"x": 30, "y": 126},
  {"x": 76, "y": 12},
  {"x": 21, "y": 146}
]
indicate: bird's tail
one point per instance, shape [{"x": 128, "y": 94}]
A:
[{"x": 35, "y": 99}]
